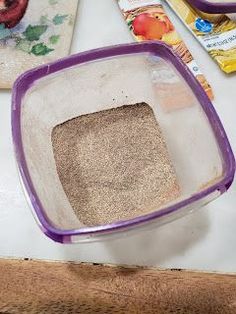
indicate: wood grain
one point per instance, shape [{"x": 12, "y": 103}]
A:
[{"x": 51, "y": 287}]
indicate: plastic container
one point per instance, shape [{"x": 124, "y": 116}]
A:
[
  {"x": 214, "y": 6},
  {"x": 109, "y": 78}
]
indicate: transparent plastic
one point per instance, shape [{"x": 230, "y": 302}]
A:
[{"x": 110, "y": 78}]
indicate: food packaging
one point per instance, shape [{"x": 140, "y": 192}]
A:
[
  {"x": 147, "y": 20},
  {"x": 215, "y": 32}
]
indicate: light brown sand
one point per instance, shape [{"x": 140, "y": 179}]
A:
[{"x": 114, "y": 164}]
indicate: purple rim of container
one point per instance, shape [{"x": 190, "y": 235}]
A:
[
  {"x": 213, "y": 8},
  {"x": 159, "y": 49}
]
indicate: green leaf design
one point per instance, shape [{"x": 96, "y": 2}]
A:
[
  {"x": 34, "y": 32},
  {"x": 59, "y": 19},
  {"x": 54, "y": 39},
  {"x": 130, "y": 22},
  {"x": 52, "y": 2},
  {"x": 40, "y": 49},
  {"x": 4, "y": 32},
  {"x": 23, "y": 45}
]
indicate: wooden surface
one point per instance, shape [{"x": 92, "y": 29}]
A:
[{"x": 47, "y": 287}]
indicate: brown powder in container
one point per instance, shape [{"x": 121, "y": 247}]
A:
[{"x": 114, "y": 164}]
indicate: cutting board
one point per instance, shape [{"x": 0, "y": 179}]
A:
[
  {"x": 32, "y": 33},
  {"x": 38, "y": 287}
]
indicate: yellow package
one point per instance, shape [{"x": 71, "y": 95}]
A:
[{"x": 216, "y": 33}]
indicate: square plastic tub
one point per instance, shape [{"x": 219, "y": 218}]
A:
[
  {"x": 109, "y": 78},
  {"x": 214, "y": 6}
]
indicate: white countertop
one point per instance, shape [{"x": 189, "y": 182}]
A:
[{"x": 204, "y": 240}]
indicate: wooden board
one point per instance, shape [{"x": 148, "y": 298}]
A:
[
  {"x": 48, "y": 287},
  {"x": 32, "y": 33}
]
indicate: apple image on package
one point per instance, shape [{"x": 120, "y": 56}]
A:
[{"x": 151, "y": 27}]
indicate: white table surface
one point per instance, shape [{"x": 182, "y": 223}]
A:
[{"x": 204, "y": 240}]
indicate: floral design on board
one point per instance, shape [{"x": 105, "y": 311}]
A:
[{"x": 39, "y": 38}]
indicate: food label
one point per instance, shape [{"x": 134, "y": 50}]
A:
[
  {"x": 223, "y": 41},
  {"x": 194, "y": 68},
  {"x": 147, "y": 20},
  {"x": 216, "y": 33},
  {"x": 133, "y": 4}
]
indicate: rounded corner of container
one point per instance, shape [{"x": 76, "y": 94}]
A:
[
  {"x": 230, "y": 175},
  {"x": 55, "y": 236}
]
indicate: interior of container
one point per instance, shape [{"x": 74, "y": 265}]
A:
[{"x": 107, "y": 84}]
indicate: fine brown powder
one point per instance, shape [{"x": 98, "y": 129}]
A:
[{"x": 114, "y": 164}]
